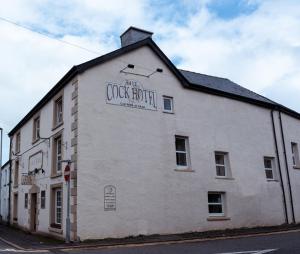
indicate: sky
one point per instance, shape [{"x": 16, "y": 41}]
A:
[{"x": 255, "y": 43}]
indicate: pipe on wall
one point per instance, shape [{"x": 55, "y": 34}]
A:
[
  {"x": 287, "y": 168},
  {"x": 279, "y": 169}
]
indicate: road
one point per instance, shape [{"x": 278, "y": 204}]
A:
[{"x": 283, "y": 243}]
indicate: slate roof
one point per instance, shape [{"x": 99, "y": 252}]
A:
[
  {"x": 190, "y": 80},
  {"x": 223, "y": 85}
]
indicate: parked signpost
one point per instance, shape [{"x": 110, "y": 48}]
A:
[{"x": 67, "y": 177}]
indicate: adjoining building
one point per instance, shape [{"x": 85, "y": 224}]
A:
[
  {"x": 5, "y": 192},
  {"x": 154, "y": 150}
]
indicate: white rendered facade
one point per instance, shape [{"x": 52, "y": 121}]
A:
[
  {"x": 5, "y": 174},
  {"x": 126, "y": 178}
]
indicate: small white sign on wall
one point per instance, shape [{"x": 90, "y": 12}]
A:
[
  {"x": 110, "y": 199},
  {"x": 35, "y": 161},
  {"x": 130, "y": 93}
]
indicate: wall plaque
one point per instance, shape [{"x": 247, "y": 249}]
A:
[
  {"x": 130, "y": 93},
  {"x": 110, "y": 198},
  {"x": 35, "y": 161}
]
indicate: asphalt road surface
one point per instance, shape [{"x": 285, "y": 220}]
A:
[{"x": 283, "y": 243}]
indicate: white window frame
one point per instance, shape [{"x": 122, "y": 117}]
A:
[
  {"x": 171, "y": 103},
  {"x": 270, "y": 169},
  {"x": 295, "y": 154},
  {"x": 36, "y": 128},
  {"x": 18, "y": 142},
  {"x": 58, "y": 207},
  {"x": 186, "y": 152},
  {"x": 58, "y": 155},
  {"x": 58, "y": 111},
  {"x": 226, "y": 164},
  {"x": 222, "y": 194}
]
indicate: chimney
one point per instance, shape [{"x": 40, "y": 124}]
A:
[{"x": 134, "y": 34}]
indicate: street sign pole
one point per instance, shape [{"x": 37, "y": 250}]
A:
[{"x": 68, "y": 180}]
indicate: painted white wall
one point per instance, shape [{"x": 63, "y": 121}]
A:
[
  {"x": 43, "y": 181},
  {"x": 134, "y": 150},
  {"x": 5, "y": 171}
]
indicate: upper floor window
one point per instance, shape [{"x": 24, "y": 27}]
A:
[
  {"x": 18, "y": 142},
  {"x": 57, "y": 154},
  {"x": 58, "y": 111},
  {"x": 222, "y": 164},
  {"x": 269, "y": 168},
  {"x": 182, "y": 152},
  {"x": 36, "y": 128},
  {"x": 295, "y": 154},
  {"x": 168, "y": 104}
]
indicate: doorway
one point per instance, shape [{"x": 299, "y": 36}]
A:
[{"x": 33, "y": 212}]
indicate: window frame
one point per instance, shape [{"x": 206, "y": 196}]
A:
[
  {"x": 272, "y": 169},
  {"x": 26, "y": 200},
  {"x": 56, "y": 206},
  {"x": 56, "y": 158},
  {"x": 58, "y": 116},
  {"x": 36, "y": 128},
  {"x": 295, "y": 155},
  {"x": 18, "y": 142},
  {"x": 186, "y": 152},
  {"x": 226, "y": 165},
  {"x": 222, "y": 203},
  {"x": 43, "y": 199},
  {"x": 170, "y": 111}
]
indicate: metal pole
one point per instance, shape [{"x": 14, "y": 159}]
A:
[
  {"x": 68, "y": 223},
  {"x": 1, "y": 172}
]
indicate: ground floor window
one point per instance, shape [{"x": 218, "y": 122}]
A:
[
  {"x": 56, "y": 205},
  {"x": 26, "y": 200},
  {"x": 43, "y": 199},
  {"x": 216, "y": 204}
]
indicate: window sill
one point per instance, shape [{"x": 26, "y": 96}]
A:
[
  {"x": 55, "y": 230},
  {"x": 57, "y": 126},
  {"x": 184, "y": 170},
  {"x": 272, "y": 180},
  {"x": 34, "y": 141},
  {"x": 55, "y": 175},
  {"x": 218, "y": 218},
  {"x": 168, "y": 112},
  {"x": 296, "y": 167},
  {"x": 224, "y": 178}
]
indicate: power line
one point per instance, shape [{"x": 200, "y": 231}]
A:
[{"x": 46, "y": 35}]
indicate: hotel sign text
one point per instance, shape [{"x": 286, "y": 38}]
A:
[{"x": 130, "y": 93}]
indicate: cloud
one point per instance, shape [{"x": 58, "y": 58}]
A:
[{"x": 257, "y": 45}]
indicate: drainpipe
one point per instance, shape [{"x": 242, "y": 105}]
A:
[
  {"x": 9, "y": 182},
  {"x": 287, "y": 168},
  {"x": 1, "y": 173},
  {"x": 279, "y": 167}
]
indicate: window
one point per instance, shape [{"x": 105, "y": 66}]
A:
[
  {"x": 57, "y": 154},
  {"x": 18, "y": 142},
  {"x": 269, "y": 167},
  {"x": 43, "y": 199},
  {"x": 295, "y": 154},
  {"x": 26, "y": 201},
  {"x": 182, "y": 152},
  {"x": 216, "y": 204},
  {"x": 222, "y": 164},
  {"x": 58, "y": 206},
  {"x": 16, "y": 176},
  {"x": 36, "y": 129},
  {"x": 168, "y": 104},
  {"x": 58, "y": 111}
]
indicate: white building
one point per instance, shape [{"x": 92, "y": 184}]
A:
[
  {"x": 4, "y": 190},
  {"x": 154, "y": 150}
]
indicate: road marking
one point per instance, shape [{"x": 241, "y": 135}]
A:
[
  {"x": 251, "y": 252},
  {"x": 23, "y": 251}
]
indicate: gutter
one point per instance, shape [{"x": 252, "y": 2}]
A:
[
  {"x": 279, "y": 167},
  {"x": 287, "y": 168}
]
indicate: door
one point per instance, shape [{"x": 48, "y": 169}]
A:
[{"x": 33, "y": 211}]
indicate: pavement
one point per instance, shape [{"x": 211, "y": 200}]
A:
[{"x": 284, "y": 239}]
